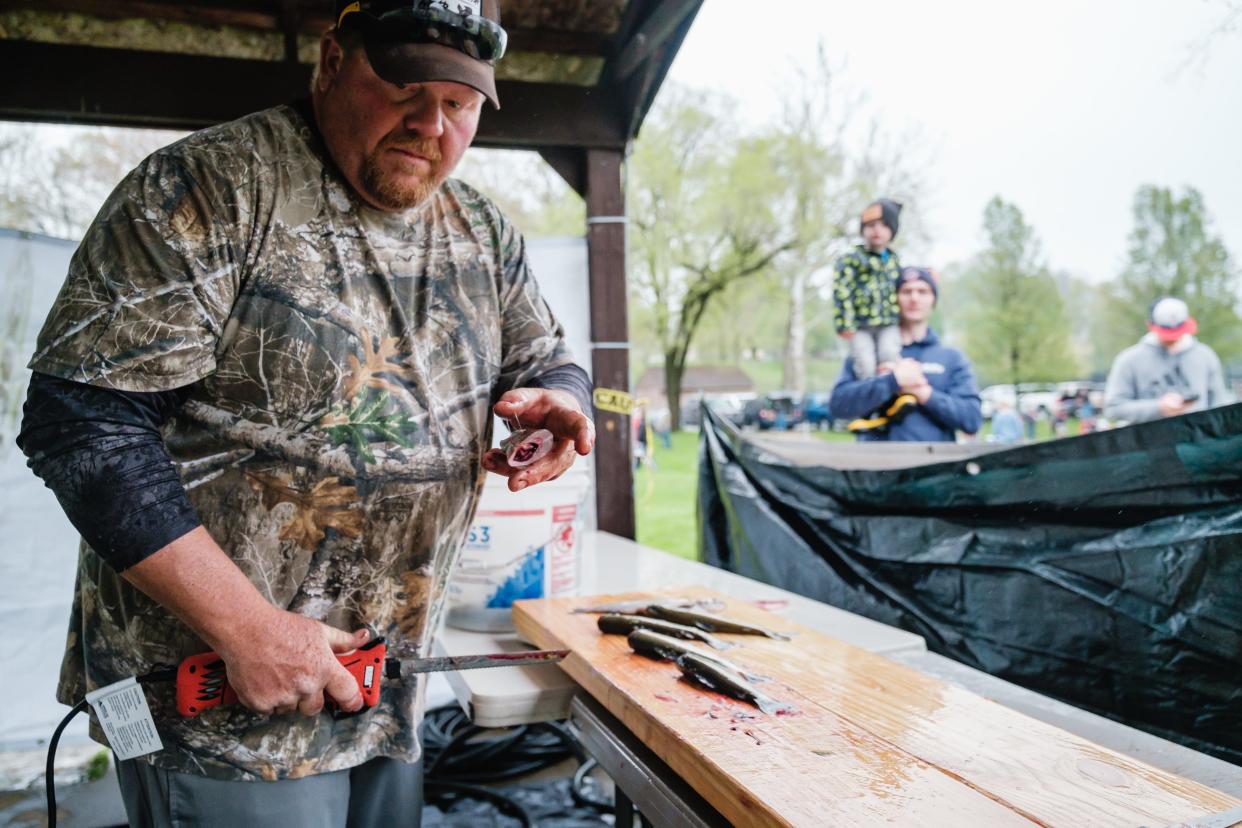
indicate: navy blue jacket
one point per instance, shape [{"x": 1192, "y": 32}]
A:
[{"x": 953, "y": 405}]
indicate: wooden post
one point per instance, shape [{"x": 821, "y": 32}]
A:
[{"x": 610, "y": 359}]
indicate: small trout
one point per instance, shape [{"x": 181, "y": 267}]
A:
[
  {"x": 708, "y": 673},
  {"x": 709, "y": 623},
  {"x": 617, "y": 624},
  {"x": 663, "y": 648}
]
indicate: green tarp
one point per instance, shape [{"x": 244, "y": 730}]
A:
[{"x": 1104, "y": 570}]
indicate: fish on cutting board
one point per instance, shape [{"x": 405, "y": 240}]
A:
[
  {"x": 709, "y": 623},
  {"x": 618, "y": 624},
  {"x": 664, "y": 648},
  {"x": 711, "y": 675}
]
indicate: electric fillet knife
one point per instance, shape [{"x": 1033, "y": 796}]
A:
[{"x": 203, "y": 684}]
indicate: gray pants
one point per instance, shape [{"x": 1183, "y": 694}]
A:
[
  {"x": 871, "y": 346},
  {"x": 382, "y": 792}
]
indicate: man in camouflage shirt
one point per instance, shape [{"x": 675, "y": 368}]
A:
[{"x": 263, "y": 396}]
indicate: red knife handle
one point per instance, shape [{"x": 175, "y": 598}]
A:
[{"x": 202, "y": 682}]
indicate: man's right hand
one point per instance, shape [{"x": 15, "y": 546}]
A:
[
  {"x": 277, "y": 661},
  {"x": 291, "y": 663},
  {"x": 1172, "y": 404},
  {"x": 846, "y": 335}
]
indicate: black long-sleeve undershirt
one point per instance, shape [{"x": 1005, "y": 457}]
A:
[
  {"x": 101, "y": 453},
  {"x": 569, "y": 378}
]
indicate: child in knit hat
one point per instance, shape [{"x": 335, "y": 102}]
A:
[{"x": 865, "y": 292}]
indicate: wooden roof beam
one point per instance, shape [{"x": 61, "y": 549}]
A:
[
  {"x": 122, "y": 87},
  {"x": 661, "y": 24},
  {"x": 290, "y": 22},
  {"x": 292, "y": 15},
  {"x": 260, "y": 16}
]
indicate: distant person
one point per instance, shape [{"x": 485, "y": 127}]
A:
[
  {"x": 640, "y": 441},
  {"x": 1169, "y": 371},
  {"x": 864, "y": 292},
  {"x": 939, "y": 378},
  {"x": 662, "y": 425},
  {"x": 1086, "y": 413},
  {"x": 1028, "y": 424},
  {"x": 1006, "y": 424},
  {"x": 1060, "y": 420}
]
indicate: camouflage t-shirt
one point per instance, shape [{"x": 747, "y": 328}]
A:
[{"x": 343, "y": 364}]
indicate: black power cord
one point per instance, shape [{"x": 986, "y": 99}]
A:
[
  {"x": 159, "y": 674},
  {"x": 446, "y": 791},
  {"x": 457, "y": 755},
  {"x": 578, "y": 789}
]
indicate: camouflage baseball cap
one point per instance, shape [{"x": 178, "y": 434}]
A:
[{"x": 420, "y": 41}]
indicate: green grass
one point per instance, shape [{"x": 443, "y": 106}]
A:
[
  {"x": 97, "y": 766},
  {"x": 1043, "y": 429},
  {"x": 833, "y": 436},
  {"x": 664, "y": 497}
]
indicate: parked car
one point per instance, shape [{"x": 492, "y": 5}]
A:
[
  {"x": 1072, "y": 395},
  {"x": 1035, "y": 399},
  {"x": 780, "y": 410},
  {"x": 815, "y": 410},
  {"x": 730, "y": 406}
]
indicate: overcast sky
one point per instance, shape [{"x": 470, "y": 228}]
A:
[{"x": 1061, "y": 107}]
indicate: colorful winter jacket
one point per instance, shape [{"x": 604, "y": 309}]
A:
[{"x": 864, "y": 289}]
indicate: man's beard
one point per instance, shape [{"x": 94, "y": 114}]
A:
[{"x": 392, "y": 192}]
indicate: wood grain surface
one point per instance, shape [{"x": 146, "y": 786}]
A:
[{"x": 870, "y": 741}]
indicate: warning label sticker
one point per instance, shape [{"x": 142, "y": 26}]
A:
[{"x": 122, "y": 711}]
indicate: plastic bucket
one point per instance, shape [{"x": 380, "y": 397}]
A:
[{"x": 521, "y": 545}]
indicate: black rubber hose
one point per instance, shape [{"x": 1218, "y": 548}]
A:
[
  {"x": 577, "y": 788},
  {"x": 504, "y": 803}
]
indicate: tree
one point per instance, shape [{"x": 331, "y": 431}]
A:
[
  {"x": 704, "y": 211},
  {"x": 1015, "y": 325},
  {"x": 1173, "y": 252},
  {"x": 53, "y": 180},
  {"x": 1084, "y": 302},
  {"x": 527, "y": 190}
]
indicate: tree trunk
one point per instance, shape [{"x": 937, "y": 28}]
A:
[
  {"x": 673, "y": 371},
  {"x": 793, "y": 377}
]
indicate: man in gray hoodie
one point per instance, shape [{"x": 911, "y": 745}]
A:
[{"x": 1167, "y": 373}]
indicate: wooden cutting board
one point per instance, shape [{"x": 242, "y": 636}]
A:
[{"x": 870, "y": 742}]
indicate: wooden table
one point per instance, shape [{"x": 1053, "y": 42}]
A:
[{"x": 872, "y": 741}]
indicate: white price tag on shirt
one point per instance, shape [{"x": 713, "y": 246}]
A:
[{"x": 122, "y": 711}]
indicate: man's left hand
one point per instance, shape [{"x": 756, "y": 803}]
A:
[
  {"x": 559, "y": 413},
  {"x": 909, "y": 375}
]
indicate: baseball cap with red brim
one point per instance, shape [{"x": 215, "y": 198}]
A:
[
  {"x": 1170, "y": 319},
  {"x": 423, "y": 41}
]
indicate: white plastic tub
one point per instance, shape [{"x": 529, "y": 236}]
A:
[{"x": 521, "y": 545}]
